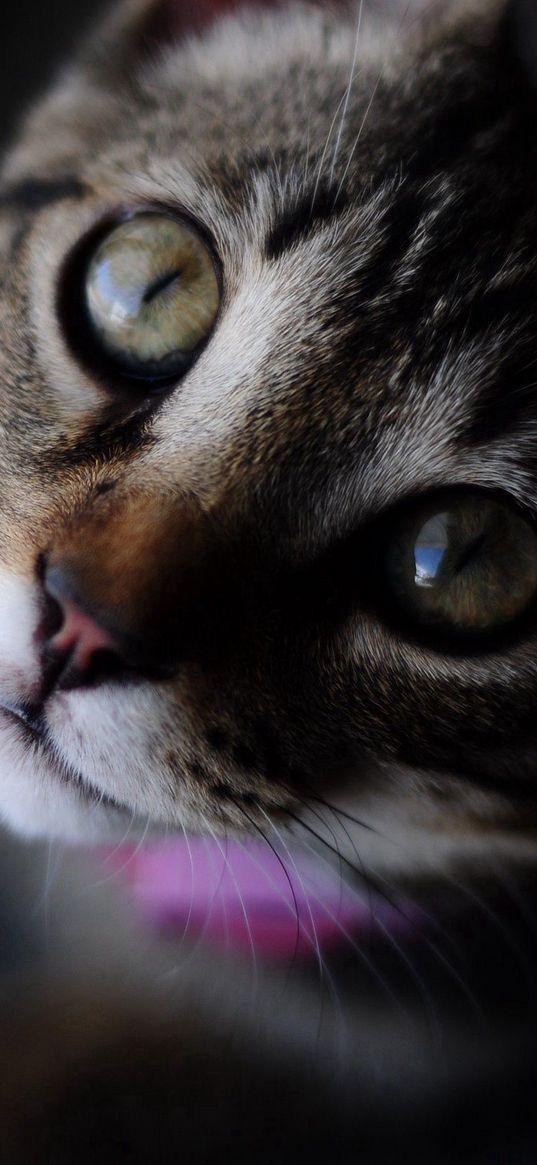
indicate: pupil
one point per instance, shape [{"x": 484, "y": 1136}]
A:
[
  {"x": 161, "y": 284},
  {"x": 470, "y": 552}
]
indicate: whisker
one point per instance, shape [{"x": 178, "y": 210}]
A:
[
  {"x": 433, "y": 923},
  {"x": 351, "y": 940},
  {"x": 242, "y": 905},
  {"x": 324, "y": 973},
  {"x": 131, "y": 857},
  {"x": 340, "y": 112},
  {"x": 183, "y": 937},
  {"x": 278, "y": 857},
  {"x": 368, "y": 878},
  {"x": 343, "y": 813},
  {"x": 348, "y": 92},
  {"x": 318, "y": 952},
  {"x": 124, "y": 836},
  {"x": 194, "y": 947},
  {"x": 361, "y": 865},
  {"x": 340, "y": 861},
  {"x": 440, "y": 956},
  {"x": 52, "y": 870},
  {"x": 218, "y": 897},
  {"x": 334, "y": 917},
  {"x": 358, "y": 137},
  {"x": 368, "y": 109},
  {"x": 403, "y": 956}
]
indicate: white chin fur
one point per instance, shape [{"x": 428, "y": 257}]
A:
[
  {"x": 32, "y": 799},
  {"x": 36, "y": 803}
]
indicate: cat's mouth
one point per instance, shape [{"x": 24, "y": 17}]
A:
[
  {"x": 27, "y": 719},
  {"x": 31, "y": 727}
]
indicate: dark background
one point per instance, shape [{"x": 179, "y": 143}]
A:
[{"x": 35, "y": 37}]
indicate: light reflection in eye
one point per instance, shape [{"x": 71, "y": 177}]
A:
[
  {"x": 430, "y": 550},
  {"x": 125, "y": 303}
]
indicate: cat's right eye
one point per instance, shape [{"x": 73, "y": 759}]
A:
[
  {"x": 463, "y": 565},
  {"x": 152, "y": 295}
]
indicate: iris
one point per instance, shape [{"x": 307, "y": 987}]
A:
[{"x": 152, "y": 295}]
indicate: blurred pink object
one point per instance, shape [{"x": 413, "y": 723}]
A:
[{"x": 241, "y": 895}]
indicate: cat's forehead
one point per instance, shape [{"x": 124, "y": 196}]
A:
[
  {"x": 273, "y": 73},
  {"x": 272, "y": 109},
  {"x": 345, "y": 190}
]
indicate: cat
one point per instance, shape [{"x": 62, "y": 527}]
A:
[{"x": 268, "y": 551}]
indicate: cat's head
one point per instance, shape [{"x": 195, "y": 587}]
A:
[{"x": 268, "y": 437}]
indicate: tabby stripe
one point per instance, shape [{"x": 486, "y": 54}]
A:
[
  {"x": 33, "y": 194},
  {"x": 299, "y": 221}
]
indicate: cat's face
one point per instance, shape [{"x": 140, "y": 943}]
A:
[{"x": 291, "y": 539}]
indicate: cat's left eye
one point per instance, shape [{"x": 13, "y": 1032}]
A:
[
  {"x": 152, "y": 296},
  {"x": 465, "y": 564}
]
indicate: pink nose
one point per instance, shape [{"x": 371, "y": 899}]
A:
[
  {"x": 80, "y": 638},
  {"x": 77, "y": 649}
]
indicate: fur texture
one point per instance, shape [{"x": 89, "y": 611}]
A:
[
  {"x": 367, "y": 178},
  {"x": 375, "y": 233}
]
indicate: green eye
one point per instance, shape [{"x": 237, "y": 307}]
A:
[
  {"x": 152, "y": 295},
  {"x": 467, "y": 564}
]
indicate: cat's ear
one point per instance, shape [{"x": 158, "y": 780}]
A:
[{"x": 522, "y": 33}]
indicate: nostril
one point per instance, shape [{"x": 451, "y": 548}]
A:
[
  {"x": 64, "y": 671},
  {"x": 105, "y": 664},
  {"x": 51, "y": 619},
  {"x": 77, "y": 650},
  {"x": 80, "y": 636}
]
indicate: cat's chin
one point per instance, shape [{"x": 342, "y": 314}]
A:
[{"x": 42, "y": 796}]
